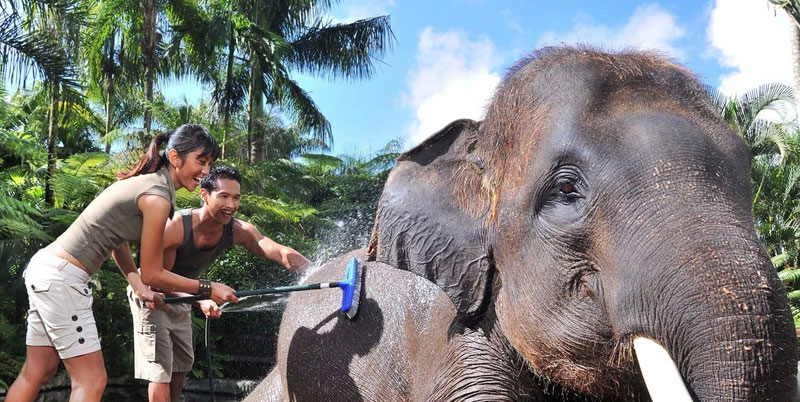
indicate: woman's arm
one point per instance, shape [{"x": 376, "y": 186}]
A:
[
  {"x": 155, "y": 211},
  {"x": 124, "y": 259}
]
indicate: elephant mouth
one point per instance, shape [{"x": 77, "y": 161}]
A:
[{"x": 661, "y": 375}]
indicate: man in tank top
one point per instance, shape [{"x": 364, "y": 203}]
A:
[{"x": 193, "y": 239}]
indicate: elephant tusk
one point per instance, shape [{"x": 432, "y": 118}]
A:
[{"x": 660, "y": 373}]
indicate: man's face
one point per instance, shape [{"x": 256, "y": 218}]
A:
[{"x": 223, "y": 202}]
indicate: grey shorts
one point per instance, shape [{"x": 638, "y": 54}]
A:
[
  {"x": 60, "y": 314},
  {"x": 162, "y": 340}
]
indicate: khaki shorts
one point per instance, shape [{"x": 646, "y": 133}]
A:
[
  {"x": 60, "y": 314},
  {"x": 162, "y": 340}
]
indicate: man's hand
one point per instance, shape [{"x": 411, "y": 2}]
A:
[
  {"x": 152, "y": 300},
  {"x": 221, "y": 293},
  {"x": 209, "y": 308},
  {"x": 293, "y": 260}
]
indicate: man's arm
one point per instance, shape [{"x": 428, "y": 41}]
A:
[{"x": 250, "y": 237}]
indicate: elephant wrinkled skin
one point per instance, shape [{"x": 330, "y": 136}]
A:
[{"x": 516, "y": 258}]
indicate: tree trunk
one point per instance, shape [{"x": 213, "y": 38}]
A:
[
  {"x": 52, "y": 137},
  {"x": 109, "y": 97},
  {"x": 255, "y": 111},
  {"x": 150, "y": 61},
  {"x": 226, "y": 98},
  {"x": 109, "y": 108},
  {"x": 796, "y": 56}
]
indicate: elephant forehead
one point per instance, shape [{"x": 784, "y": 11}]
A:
[{"x": 568, "y": 97}]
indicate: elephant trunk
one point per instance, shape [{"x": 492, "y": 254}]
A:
[
  {"x": 746, "y": 357},
  {"x": 724, "y": 319}
]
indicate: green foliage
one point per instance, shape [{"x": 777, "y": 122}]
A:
[
  {"x": 113, "y": 316},
  {"x": 86, "y": 59},
  {"x": 200, "y": 368},
  {"x": 775, "y": 171},
  {"x": 10, "y": 360},
  {"x": 18, "y": 220}
]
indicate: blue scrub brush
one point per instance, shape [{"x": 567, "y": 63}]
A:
[{"x": 350, "y": 286}]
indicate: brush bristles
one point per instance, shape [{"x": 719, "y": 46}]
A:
[{"x": 353, "y": 310}]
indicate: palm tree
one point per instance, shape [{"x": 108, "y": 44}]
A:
[
  {"x": 792, "y": 7},
  {"x": 57, "y": 24},
  {"x": 272, "y": 38},
  {"x": 158, "y": 18},
  {"x": 775, "y": 171},
  {"x": 113, "y": 54},
  {"x": 302, "y": 40},
  {"x": 768, "y": 140}
]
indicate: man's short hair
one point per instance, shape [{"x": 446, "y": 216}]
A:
[{"x": 209, "y": 183}]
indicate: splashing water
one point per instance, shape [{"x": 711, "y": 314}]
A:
[
  {"x": 342, "y": 237},
  {"x": 267, "y": 302}
]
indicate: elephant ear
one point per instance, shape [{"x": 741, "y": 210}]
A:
[{"x": 431, "y": 220}]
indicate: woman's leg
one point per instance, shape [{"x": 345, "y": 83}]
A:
[
  {"x": 41, "y": 362},
  {"x": 88, "y": 375}
]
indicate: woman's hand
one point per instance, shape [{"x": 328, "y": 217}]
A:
[
  {"x": 293, "y": 260},
  {"x": 152, "y": 300},
  {"x": 210, "y": 309},
  {"x": 221, "y": 293}
]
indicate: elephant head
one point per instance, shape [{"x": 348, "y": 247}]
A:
[{"x": 601, "y": 200}]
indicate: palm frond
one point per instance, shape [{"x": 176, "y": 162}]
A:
[
  {"x": 772, "y": 96},
  {"x": 789, "y": 276},
  {"x": 36, "y": 49},
  {"x": 766, "y": 137},
  {"x": 18, "y": 220},
  {"x": 300, "y": 106},
  {"x": 342, "y": 50},
  {"x": 323, "y": 162},
  {"x": 794, "y": 296}
]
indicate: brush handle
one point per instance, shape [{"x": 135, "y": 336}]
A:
[{"x": 255, "y": 292}]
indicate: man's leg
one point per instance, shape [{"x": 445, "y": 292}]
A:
[
  {"x": 175, "y": 387},
  {"x": 182, "y": 348},
  {"x": 158, "y": 392},
  {"x": 41, "y": 362},
  {"x": 88, "y": 375}
]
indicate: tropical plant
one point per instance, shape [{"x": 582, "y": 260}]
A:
[
  {"x": 113, "y": 49},
  {"x": 272, "y": 40},
  {"x": 775, "y": 170},
  {"x": 54, "y": 23},
  {"x": 792, "y": 8}
]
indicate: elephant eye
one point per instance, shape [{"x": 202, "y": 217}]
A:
[{"x": 567, "y": 188}]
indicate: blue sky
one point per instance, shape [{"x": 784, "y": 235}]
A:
[{"x": 450, "y": 54}]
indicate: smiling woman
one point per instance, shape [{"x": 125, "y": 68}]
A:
[{"x": 61, "y": 326}]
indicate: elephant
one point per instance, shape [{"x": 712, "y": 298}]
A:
[{"x": 601, "y": 201}]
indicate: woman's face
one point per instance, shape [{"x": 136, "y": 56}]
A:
[{"x": 191, "y": 169}]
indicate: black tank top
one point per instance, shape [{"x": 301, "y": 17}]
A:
[{"x": 190, "y": 261}]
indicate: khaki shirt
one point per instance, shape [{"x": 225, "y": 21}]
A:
[{"x": 113, "y": 218}]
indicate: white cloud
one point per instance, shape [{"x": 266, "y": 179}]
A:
[
  {"x": 452, "y": 79},
  {"x": 361, "y": 9},
  {"x": 753, "y": 40},
  {"x": 650, "y": 27}
]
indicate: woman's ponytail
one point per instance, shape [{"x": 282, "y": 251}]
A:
[{"x": 152, "y": 159}]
